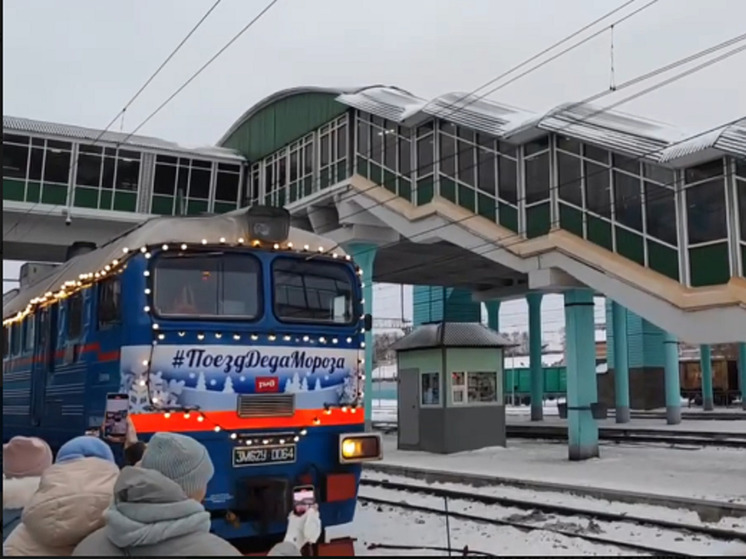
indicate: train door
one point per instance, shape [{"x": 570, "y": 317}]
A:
[{"x": 43, "y": 360}]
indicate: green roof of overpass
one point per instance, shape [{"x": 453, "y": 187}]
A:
[{"x": 282, "y": 118}]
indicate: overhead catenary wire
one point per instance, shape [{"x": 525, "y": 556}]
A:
[
  {"x": 459, "y": 108},
  {"x": 520, "y": 65},
  {"x": 248, "y": 26},
  {"x": 132, "y": 99},
  {"x": 573, "y": 121}
]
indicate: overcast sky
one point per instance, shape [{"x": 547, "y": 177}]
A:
[{"x": 79, "y": 61}]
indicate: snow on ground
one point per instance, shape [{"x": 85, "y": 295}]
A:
[
  {"x": 394, "y": 526},
  {"x": 675, "y": 541},
  {"x": 577, "y": 501},
  {"x": 701, "y": 473},
  {"x": 385, "y": 410}
]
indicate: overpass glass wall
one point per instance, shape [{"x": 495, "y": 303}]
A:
[
  {"x": 35, "y": 169},
  {"x": 614, "y": 201},
  {"x": 183, "y": 185},
  {"x": 41, "y": 170},
  {"x": 740, "y": 185},
  {"x": 316, "y": 161}
]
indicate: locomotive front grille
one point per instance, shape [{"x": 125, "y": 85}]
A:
[{"x": 266, "y": 405}]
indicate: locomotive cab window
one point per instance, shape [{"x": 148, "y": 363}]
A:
[
  {"x": 208, "y": 285},
  {"x": 308, "y": 291}
]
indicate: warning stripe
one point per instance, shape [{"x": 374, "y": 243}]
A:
[{"x": 179, "y": 422}]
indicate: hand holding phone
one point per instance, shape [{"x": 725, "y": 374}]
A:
[
  {"x": 116, "y": 416},
  {"x": 304, "y": 497}
]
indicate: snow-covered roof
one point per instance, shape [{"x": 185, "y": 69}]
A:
[
  {"x": 18, "y": 125},
  {"x": 727, "y": 139},
  {"x": 613, "y": 130},
  {"x": 524, "y": 361},
  {"x": 451, "y": 334},
  {"x": 385, "y": 372}
]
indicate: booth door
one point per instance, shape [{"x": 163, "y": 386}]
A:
[{"x": 409, "y": 408}]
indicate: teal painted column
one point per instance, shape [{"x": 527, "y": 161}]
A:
[
  {"x": 621, "y": 363},
  {"x": 582, "y": 388},
  {"x": 534, "y": 352},
  {"x": 742, "y": 373},
  {"x": 364, "y": 254},
  {"x": 705, "y": 363},
  {"x": 493, "y": 315},
  {"x": 673, "y": 381}
]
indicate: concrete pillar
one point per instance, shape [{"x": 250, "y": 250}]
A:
[
  {"x": 705, "y": 364},
  {"x": 534, "y": 350},
  {"x": 742, "y": 373},
  {"x": 621, "y": 363},
  {"x": 673, "y": 381},
  {"x": 493, "y": 315},
  {"x": 364, "y": 254},
  {"x": 582, "y": 390}
]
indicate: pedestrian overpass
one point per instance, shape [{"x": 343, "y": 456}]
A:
[{"x": 454, "y": 191}]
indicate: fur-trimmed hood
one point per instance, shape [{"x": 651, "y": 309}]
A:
[{"x": 17, "y": 492}]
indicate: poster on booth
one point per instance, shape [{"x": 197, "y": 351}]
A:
[{"x": 211, "y": 377}]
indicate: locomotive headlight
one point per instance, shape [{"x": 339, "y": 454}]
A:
[{"x": 360, "y": 447}]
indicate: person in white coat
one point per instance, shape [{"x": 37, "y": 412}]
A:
[
  {"x": 24, "y": 460},
  {"x": 69, "y": 503}
]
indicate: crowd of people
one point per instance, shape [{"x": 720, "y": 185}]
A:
[{"x": 80, "y": 503}]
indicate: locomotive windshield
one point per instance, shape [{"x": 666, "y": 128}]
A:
[
  {"x": 312, "y": 291},
  {"x": 220, "y": 285}
]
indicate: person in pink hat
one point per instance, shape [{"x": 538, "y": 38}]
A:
[{"x": 24, "y": 460}]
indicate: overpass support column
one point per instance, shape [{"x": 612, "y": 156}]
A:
[
  {"x": 364, "y": 254},
  {"x": 621, "y": 363},
  {"x": 493, "y": 315},
  {"x": 742, "y": 373},
  {"x": 673, "y": 381},
  {"x": 582, "y": 389},
  {"x": 534, "y": 345},
  {"x": 705, "y": 364}
]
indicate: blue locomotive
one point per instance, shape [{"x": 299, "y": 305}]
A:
[{"x": 236, "y": 329}]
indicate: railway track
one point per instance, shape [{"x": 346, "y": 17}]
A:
[
  {"x": 392, "y": 490},
  {"x": 617, "y": 435}
]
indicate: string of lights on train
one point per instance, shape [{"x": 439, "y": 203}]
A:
[{"x": 117, "y": 265}]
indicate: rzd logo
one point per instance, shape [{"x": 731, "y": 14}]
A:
[{"x": 267, "y": 384}]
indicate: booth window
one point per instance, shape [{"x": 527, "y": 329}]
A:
[
  {"x": 430, "y": 389},
  {"x": 474, "y": 387}
]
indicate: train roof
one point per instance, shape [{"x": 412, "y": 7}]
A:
[{"x": 192, "y": 230}]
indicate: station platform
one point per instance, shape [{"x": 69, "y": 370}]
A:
[{"x": 711, "y": 474}]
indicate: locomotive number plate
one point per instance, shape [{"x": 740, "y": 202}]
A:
[{"x": 263, "y": 455}]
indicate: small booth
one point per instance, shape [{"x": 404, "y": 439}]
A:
[{"x": 450, "y": 394}]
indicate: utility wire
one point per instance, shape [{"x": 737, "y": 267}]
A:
[
  {"x": 472, "y": 100},
  {"x": 128, "y": 104},
  {"x": 574, "y": 121}
]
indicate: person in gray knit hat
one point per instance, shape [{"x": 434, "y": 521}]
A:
[{"x": 157, "y": 509}]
